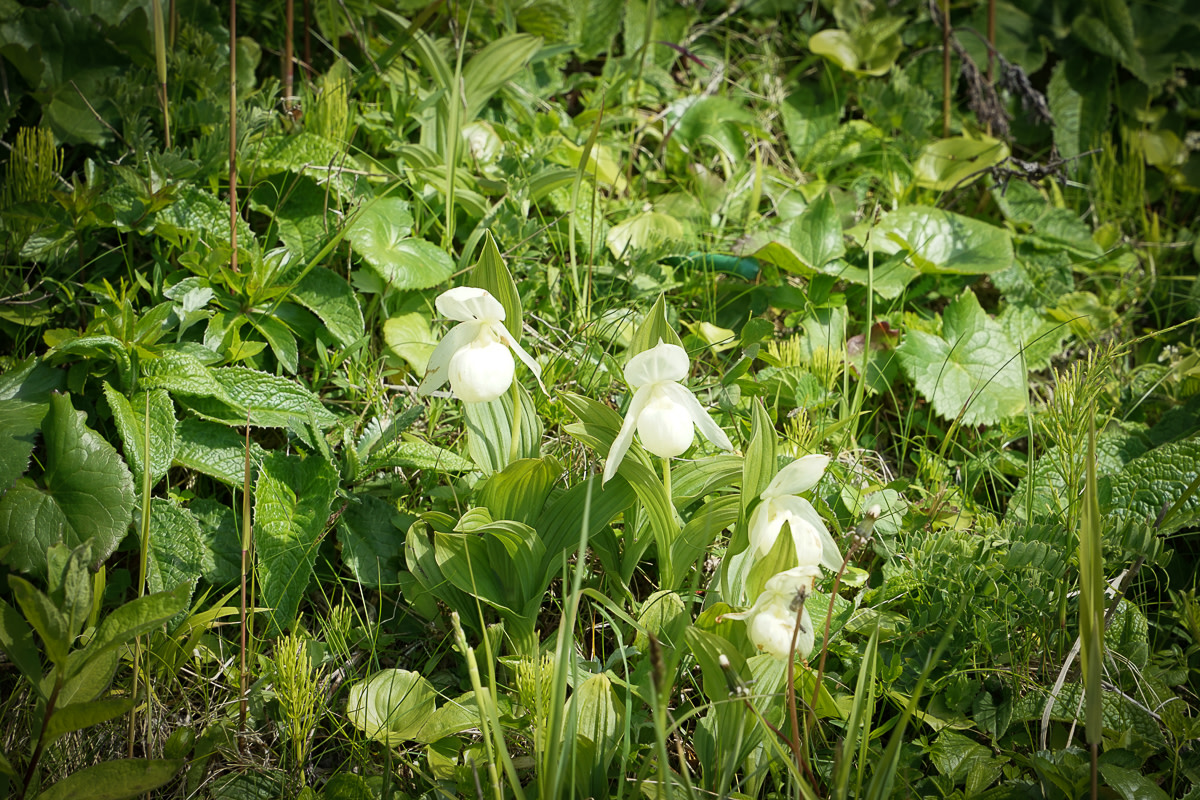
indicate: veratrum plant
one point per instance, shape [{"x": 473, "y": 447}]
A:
[{"x": 69, "y": 697}]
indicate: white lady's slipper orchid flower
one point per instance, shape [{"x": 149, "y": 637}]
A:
[
  {"x": 662, "y": 411},
  {"x": 772, "y": 620},
  {"x": 780, "y": 504},
  {"x": 475, "y": 355}
]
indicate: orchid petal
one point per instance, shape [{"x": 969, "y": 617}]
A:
[
  {"x": 704, "y": 423},
  {"x": 526, "y": 359},
  {"x": 764, "y": 529},
  {"x": 663, "y": 362},
  {"x": 621, "y": 444},
  {"x": 798, "y": 476},
  {"x": 481, "y": 371},
  {"x": 805, "y": 526},
  {"x": 801, "y": 509},
  {"x": 465, "y": 303},
  {"x": 438, "y": 372},
  {"x": 664, "y": 427}
]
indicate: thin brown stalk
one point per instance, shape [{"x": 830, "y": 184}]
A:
[{"x": 289, "y": 94}]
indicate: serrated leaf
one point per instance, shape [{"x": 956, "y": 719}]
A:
[
  {"x": 114, "y": 780},
  {"x": 216, "y": 451},
  {"x": 972, "y": 368},
  {"x": 391, "y": 706},
  {"x": 220, "y": 541},
  {"x": 942, "y": 241},
  {"x": 180, "y": 373},
  {"x": 292, "y": 498},
  {"x": 269, "y": 400},
  {"x": 130, "y": 418},
  {"x": 85, "y": 492},
  {"x": 174, "y": 546},
  {"x": 331, "y": 298},
  {"x": 372, "y": 544},
  {"x": 20, "y": 422},
  {"x": 280, "y": 339},
  {"x": 197, "y": 214},
  {"x": 306, "y": 153},
  {"x": 1154, "y": 481},
  {"x": 415, "y": 454}
]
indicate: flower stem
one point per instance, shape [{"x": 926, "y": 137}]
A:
[
  {"x": 667, "y": 480},
  {"x": 514, "y": 446}
]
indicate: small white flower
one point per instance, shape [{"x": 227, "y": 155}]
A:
[
  {"x": 662, "y": 410},
  {"x": 772, "y": 620},
  {"x": 475, "y": 355},
  {"x": 780, "y": 504}
]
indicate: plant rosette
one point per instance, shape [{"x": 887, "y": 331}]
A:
[
  {"x": 663, "y": 412},
  {"x": 771, "y": 621},
  {"x": 780, "y": 504},
  {"x": 476, "y": 356}
]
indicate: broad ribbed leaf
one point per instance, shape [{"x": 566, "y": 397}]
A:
[
  {"x": 491, "y": 273},
  {"x": 391, "y": 706},
  {"x": 130, "y": 419},
  {"x": 216, "y": 451},
  {"x": 1157, "y": 480},
  {"x": 270, "y": 401},
  {"x": 85, "y": 492},
  {"x": 292, "y": 500},
  {"x": 174, "y": 546},
  {"x": 492, "y": 67},
  {"x": 519, "y": 491}
]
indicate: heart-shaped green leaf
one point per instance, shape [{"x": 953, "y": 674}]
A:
[{"x": 85, "y": 492}]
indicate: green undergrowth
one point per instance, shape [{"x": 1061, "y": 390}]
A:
[{"x": 255, "y": 545}]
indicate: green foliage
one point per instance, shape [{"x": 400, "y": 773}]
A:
[
  {"x": 944, "y": 315},
  {"x": 971, "y": 371}
]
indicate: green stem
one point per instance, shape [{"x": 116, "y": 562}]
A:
[{"x": 667, "y": 480}]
